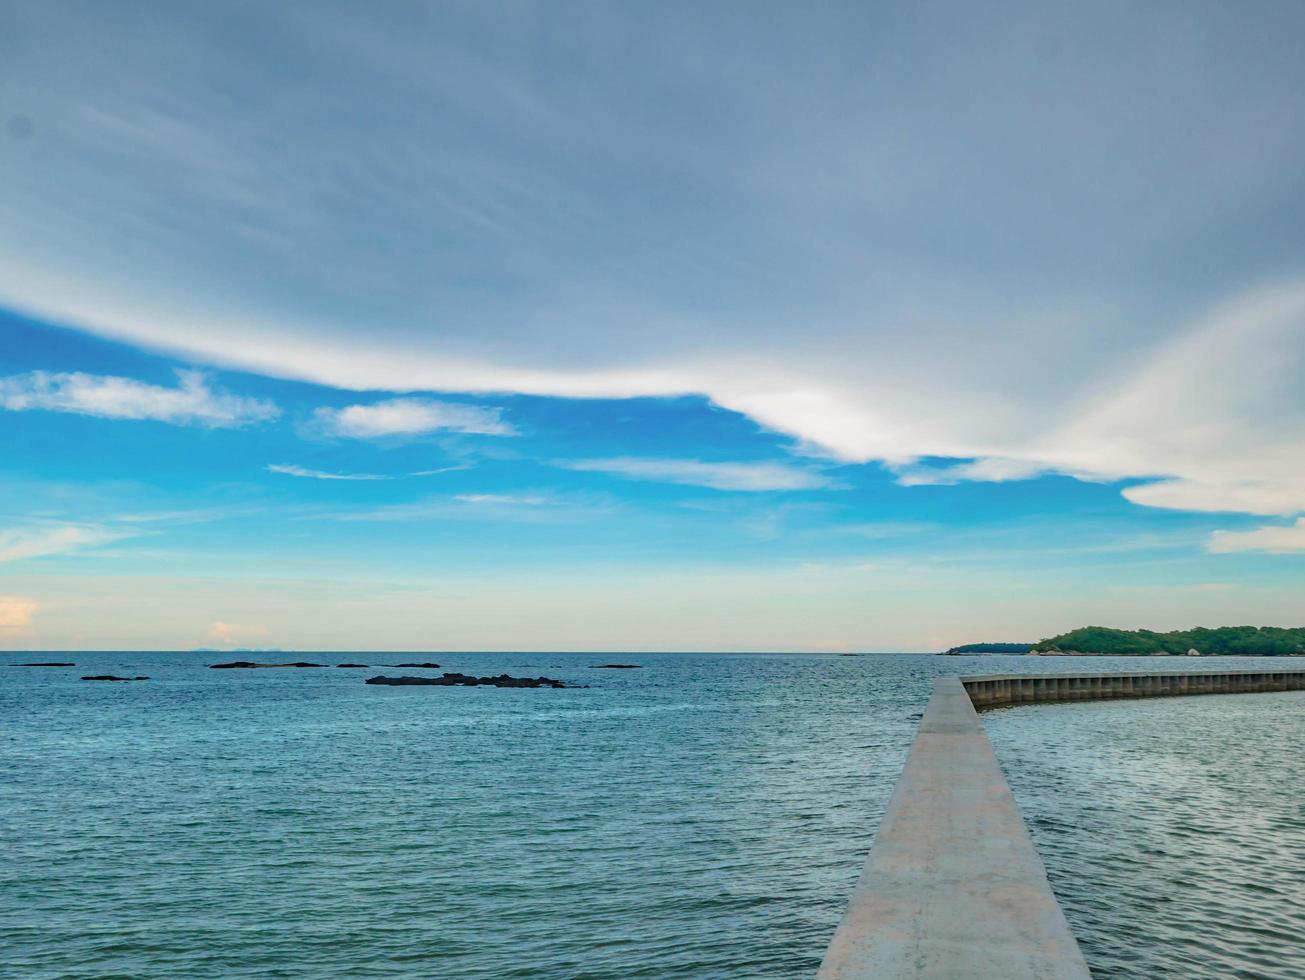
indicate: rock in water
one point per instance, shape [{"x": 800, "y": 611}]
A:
[
  {"x": 616, "y": 666},
  {"x": 59, "y": 664},
  {"x": 111, "y": 677},
  {"x": 249, "y": 664},
  {"x": 351, "y": 665},
  {"x": 413, "y": 665},
  {"x": 466, "y": 680}
]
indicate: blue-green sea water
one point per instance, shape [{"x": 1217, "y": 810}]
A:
[{"x": 704, "y": 816}]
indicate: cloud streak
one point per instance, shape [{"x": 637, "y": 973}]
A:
[
  {"x": 289, "y": 469},
  {"x": 193, "y": 402},
  {"x": 745, "y": 477},
  {"x": 17, "y": 544}
]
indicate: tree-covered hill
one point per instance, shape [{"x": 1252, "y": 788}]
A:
[
  {"x": 991, "y": 648},
  {"x": 1244, "y": 641}
]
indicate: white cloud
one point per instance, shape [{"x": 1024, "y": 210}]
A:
[
  {"x": 412, "y": 416},
  {"x": 1261, "y": 497},
  {"x": 1279, "y": 539},
  {"x": 989, "y": 470},
  {"x": 292, "y": 470},
  {"x": 106, "y": 396},
  {"x": 750, "y": 477},
  {"x": 16, "y": 612},
  {"x": 17, "y": 544},
  {"x": 856, "y": 261}
]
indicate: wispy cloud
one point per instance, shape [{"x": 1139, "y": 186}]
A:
[
  {"x": 881, "y": 529},
  {"x": 16, "y": 612},
  {"x": 1277, "y": 538},
  {"x": 525, "y": 507},
  {"x": 990, "y": 469},
  {"x": 194, "y": 515},
  {"x": 412, "y": 416},
  {"x": 439, "y": 470},
  {"x": 504, "y": 499},
  {"x": 193, "y": 402},
  {"x": 748, "y": 477},
  {"x": 40, "y": 540},
  {"x": 292, "y": 470}
]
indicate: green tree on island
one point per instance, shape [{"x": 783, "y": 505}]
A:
[{"x": 1235, "y": 641}]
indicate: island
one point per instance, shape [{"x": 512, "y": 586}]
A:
[
  {"x": 967, "y": 648},
  {"x": 1222, "y": 641}
]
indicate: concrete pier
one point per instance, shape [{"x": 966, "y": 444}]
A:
[{"x": 953, "y": 888}]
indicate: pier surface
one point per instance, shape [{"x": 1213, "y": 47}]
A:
[{"x": 953, "y": 886}]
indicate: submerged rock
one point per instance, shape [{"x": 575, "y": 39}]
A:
[
  {"x": 51, "y": 664},
  {"x": 111, "y": 677},
  {"x": 616, "y": 666},
  {"x": 412, "y": 665},
  {"x": 466, "y": 680},
  {"x": 249, "y": 664}
]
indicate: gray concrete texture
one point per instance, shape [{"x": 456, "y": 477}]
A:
[
  {"x": 1002, "y": 690},
  {"x": 953, "y": 887}
]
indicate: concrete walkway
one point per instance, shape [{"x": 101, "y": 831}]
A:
[{"x": 953, "y": 887}]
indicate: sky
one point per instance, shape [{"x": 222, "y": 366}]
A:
[{"x": 733, "y": 326}]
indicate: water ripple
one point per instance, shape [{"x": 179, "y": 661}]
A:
[
  {"x": 706, "y": 816},
  {"x": 1171, "y": 829}
]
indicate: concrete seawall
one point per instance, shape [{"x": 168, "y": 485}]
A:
[
  {"x": 953, "y": 888},
  {"x": 1000, "y": 691}
]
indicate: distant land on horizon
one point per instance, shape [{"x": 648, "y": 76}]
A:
[
  {"x": 1103, "y": 641},
  {"x": 989, "y": 648}
]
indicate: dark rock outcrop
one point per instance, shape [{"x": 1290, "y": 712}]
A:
[
  {"x": 111, "y": 677},
  {"x": 616, "y": 666},
  {"x": 413, "y": 665},
  {"x": 249, "y": 664},
  {"x": 466, "y": 680},
  {"x": 351, "y": 665},
  {"x": 52, "y": 664}
]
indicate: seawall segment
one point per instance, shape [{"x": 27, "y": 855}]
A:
[{"x": 1003, "y": 690}]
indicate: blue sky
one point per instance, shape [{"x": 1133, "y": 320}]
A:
[{"x": 577, "y": 327}]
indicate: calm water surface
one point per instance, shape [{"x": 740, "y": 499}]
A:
[
  {"x": 705, "y": 816},
  {"x": 1173, "y": 829}
]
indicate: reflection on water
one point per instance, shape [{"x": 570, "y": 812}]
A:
[{"x": 1173, "y": 829}]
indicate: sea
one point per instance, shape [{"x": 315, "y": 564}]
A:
[{"x": 703, "y": 815}]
